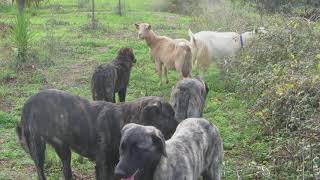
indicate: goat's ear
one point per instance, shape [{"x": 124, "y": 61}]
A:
[
  {"x": 137, "y": 26},
  {"x": 158, "y": 139},
  {"x": 149, "y": 27}
]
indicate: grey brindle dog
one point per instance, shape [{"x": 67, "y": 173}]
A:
[
  {"x": 193, "y": 151},
  {"x": 113, "y": 77},
  {"x": 91, "y": 129},
  {"x": 188, "y": 98}
]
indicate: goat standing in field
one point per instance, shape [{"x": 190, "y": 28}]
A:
[
  {"x": 209, "y": 46},
  {"x": 167, "y": 53}
]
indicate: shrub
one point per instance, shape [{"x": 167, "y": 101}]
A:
[
  {"x": 279, "y": 78},
  {"x": 22, "y": 37}
]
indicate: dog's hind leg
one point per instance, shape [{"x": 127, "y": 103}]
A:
[
  {"x": 64, "y": 154},
  {"x": 37, "y": 151},
  {"x": 122, "y": 94}
]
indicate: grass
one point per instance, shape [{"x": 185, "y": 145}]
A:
[{"x": 75, "y": 53}]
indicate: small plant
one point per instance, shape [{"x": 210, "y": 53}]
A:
[
  {"x": 21, "y": 37},
  {"x": 7, "y": 120}
]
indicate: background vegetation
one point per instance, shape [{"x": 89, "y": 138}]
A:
[{"x": 265, "y": 101}]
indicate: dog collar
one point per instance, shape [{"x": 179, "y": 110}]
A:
[{"x": 241, "y": 40}]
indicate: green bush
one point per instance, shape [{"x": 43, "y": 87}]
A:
[
  {"x": 279, "y": 78},
  {"x": 22, "y": 37}
]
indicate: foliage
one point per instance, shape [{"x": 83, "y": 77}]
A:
[
  {"x": 279, "y": 78},
  {"x": 184, "y": 6},
  {"x": 276, "y": 78},
  {"x": 274, "y": 5},
  {"x": 22, "y": 36},
  {"x": 7, "y": 120}
]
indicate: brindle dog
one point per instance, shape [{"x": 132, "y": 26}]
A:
[
  {"x": 91, "y": 129},
  {"x": 111, "y": 78}
]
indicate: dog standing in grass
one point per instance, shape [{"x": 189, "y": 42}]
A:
[
  {"x": 111, "y": 78},
  {"x": 188, "y": 98}
]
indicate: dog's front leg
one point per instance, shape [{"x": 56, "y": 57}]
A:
[{"x": 104, "y": 167}]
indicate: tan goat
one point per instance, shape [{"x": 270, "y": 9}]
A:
[{"x": 167, "y": 53}]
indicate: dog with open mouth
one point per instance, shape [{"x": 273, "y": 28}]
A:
[{"x": 195, "y": 150}]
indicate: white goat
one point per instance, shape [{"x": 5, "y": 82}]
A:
[
  {"x": 209, "y": 46},
  {"x": 167, "y": 53}
]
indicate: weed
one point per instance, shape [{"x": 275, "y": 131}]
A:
[{"x": 22, "y": 38}]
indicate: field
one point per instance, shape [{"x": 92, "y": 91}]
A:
[{"x": 65, "y": 52}]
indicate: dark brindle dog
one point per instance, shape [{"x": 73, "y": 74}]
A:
[
  {"x": 91, "y": 129},
  {"x": 193, "y": 151},
  {"x": 109, "y": 79},
  {"x": 188, "y": 98}
]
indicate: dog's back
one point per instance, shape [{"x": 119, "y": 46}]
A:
[
  {"x": 195, "y": 149},
  {"x": 55, "y": 115},
  {"x": 103, "y": 82}
]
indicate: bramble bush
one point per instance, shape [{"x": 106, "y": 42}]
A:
[{"x": 279, "y": 77}]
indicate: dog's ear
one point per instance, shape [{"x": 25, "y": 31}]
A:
[
  {"x": 127, "y": 127},
  {"x": 149, "y": 27},
  {"x": 158, "y": 139},
  {"x": 137, "y": 26},
  {"x": 168, "y": 109},
  {"x": 207, "y": 87}
]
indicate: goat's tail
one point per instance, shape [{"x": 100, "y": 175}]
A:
[
  {"x": 190, "y": 35},
  {"x": 187, "y": 63}
]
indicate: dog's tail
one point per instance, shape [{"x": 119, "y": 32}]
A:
[{"x": 99, "y": 88}]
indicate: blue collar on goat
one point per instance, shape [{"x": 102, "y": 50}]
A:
[{"x": 241, "y": 40}]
